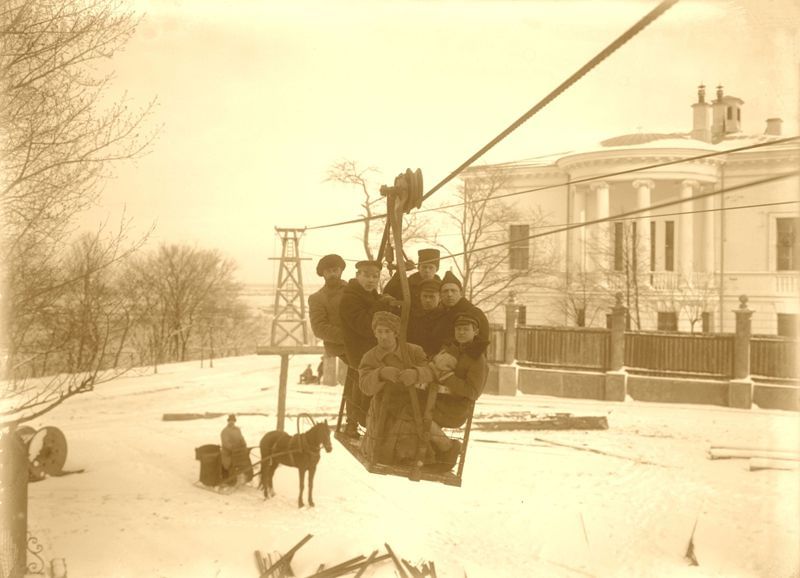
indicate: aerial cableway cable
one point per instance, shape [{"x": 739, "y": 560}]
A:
[
  {"x": 597, "y": 59},
  {"x": 633, "y": 212},
  {"x": 581, "y": 180}
]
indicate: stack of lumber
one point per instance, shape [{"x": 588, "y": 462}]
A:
[{"x": 760, "y": 458}]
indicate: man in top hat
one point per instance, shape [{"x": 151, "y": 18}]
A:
[
  {"x": 360, "y": 300},
  {"x": 427, "y": 266},
  {"x": 323, "y": 306},
  {"x": 454, "y": 304}
]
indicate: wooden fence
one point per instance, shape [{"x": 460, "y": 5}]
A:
[
  {"x": 567, "y": 347},
  {"x": 657, "y": 352},
  {"x": 679, "y": 353},
  {"x": 773, "y": 356}
]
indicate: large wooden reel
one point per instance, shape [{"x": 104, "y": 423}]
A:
[
  {"x": 47, "y": 451},
  {"x": 407, "y": 188}
]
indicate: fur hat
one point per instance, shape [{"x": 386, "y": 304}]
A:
[
  {"x": 467, "y": 318},
  {"x": 231, "y": 418},
  {"x": 450, "y": 278},
  {"x": 430, "y": 286},
  {"x": 386, "y": 319},
  {"x": 329, "y": 261},
  {"x": 367, "y": 264},
  {"x": 428, "y": 257}
]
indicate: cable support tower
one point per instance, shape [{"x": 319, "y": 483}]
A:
[{"x": 289, "y": 325}]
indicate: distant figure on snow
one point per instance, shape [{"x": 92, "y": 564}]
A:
[
  {"x": 232, "y": 441},
  {"x": 308, "y": 375}
]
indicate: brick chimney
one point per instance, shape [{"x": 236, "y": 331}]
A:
[
  {"x": 701, "y": 113},
  {"x": 774, "y": 126}
]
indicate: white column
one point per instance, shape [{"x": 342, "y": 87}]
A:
[
  {"x": 602, "y": 250},
  {"x": 644, "y": 188},
  {"x": 686, "y": 262},
  {"x": 579, "y": 235},
  {"x": 708, "y": 236}
]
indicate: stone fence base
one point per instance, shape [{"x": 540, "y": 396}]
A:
[{"x": 619, "y": 385}]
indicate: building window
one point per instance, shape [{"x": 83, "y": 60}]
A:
[
  {"x": 739, "y": 114},
  {"x": 667, "y": 321},
  {"x": 787, "y": 244},
  {"x": 730, "y": 113},
  {"x": 580, "y": 317},
  {"x": 522, "y": 315},
  {"x": 669, "y": 246},
  {"x": 519, "y": 247},
  {"x": 787, "y": 325},
  {"x": 708, "y": 322}
]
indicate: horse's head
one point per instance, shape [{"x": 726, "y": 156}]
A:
[{"x": 326, "y": 435}]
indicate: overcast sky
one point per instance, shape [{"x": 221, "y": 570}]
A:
[{"x": 257, "y": 99}]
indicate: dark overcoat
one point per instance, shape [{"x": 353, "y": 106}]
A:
[{"x": 323, "y": 310}]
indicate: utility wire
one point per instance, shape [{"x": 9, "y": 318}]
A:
[
  {"x": 633, "y": 212},
  {"x": 580, "y": 181},
  {"x": 621, "y": 218}
]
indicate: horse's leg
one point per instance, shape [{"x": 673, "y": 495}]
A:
[
  {"x": 301, "y": 471},
  {"x": 269, "y": 491},
  {"x": 311, "y": 470}
]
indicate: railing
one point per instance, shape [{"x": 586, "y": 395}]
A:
[
  {"x": 497, "y": 344},
  {"x": 772, "y": 356},
  {"x": 563, "y": 346},
  {"x": 680, "y": 353}
]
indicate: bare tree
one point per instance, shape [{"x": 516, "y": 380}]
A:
[
  {"x": 349, "y": 172},
  {"x": 512, "y": 263},
  {"x": 60, "y": 133}
]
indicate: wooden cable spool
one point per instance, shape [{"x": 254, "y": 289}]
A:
[{"x": 47, "y": 451}]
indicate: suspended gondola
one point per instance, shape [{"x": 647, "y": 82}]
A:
[{"x": 405, "y": 195}]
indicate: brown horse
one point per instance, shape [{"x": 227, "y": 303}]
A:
[{"x": 299, "y": 451}]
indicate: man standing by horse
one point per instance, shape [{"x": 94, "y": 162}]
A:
[{"x": 232, "y": 446}]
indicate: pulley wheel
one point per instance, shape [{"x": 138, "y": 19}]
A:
[
  {"x": 414, "y": 189},
  {"x": 47, "y": 452}
]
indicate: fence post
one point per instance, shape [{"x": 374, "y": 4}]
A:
[
  {"x": 740, "y": 388},
  {"x": 329, "y": 370},
  {"x": 616, "y": 376},
  {"x": 510, "y": 349},
  {"x": 507, "y": 371}
]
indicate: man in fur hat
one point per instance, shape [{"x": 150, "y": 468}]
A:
[
  {"x": 323, "y": 306},
  {"x": 427, "y": 266}
]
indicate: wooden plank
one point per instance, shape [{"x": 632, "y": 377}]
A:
[
  {"x": 726, "y": 454},
  {"x": 547, "y": 422},
  {"x": 769, "y": 464},
  {"x": 290, "y": 350},
  {"x": 282, "y": 391}
]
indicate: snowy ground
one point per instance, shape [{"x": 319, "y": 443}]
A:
[{"x": 525, "y": 509}]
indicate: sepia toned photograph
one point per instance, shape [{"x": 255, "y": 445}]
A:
[{"x": 402, "y": 288}]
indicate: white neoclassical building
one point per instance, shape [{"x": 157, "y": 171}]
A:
[{"x": 680, "y": 265}]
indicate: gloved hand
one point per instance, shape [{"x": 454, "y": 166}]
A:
[
  {"x": 389, "y": 374},
  {"x": 444, "y": 362},
  {"x": 408, "y": 377}
]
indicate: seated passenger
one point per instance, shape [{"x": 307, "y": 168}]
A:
[
  {"x": 391, "y": 431},
  {"x": 308, "y": 375},
  {"x": 461, "y": 366}
]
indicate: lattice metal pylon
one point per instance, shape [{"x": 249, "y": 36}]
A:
[{"x": 289, "y": 326}]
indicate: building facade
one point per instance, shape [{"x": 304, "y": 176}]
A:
[{"x": 679, "y": 249}]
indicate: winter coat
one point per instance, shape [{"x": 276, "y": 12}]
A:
[
  {"x": 465, "y": 382},
  {"x": 323, "y": 309},
  {"x": 442, "y": 330},
  {"x": 232, "y": 440},
  {"x": 391, "y": 431},
  {"x": 422, "y": 329},
  {"x": 356, "y": 308}
]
